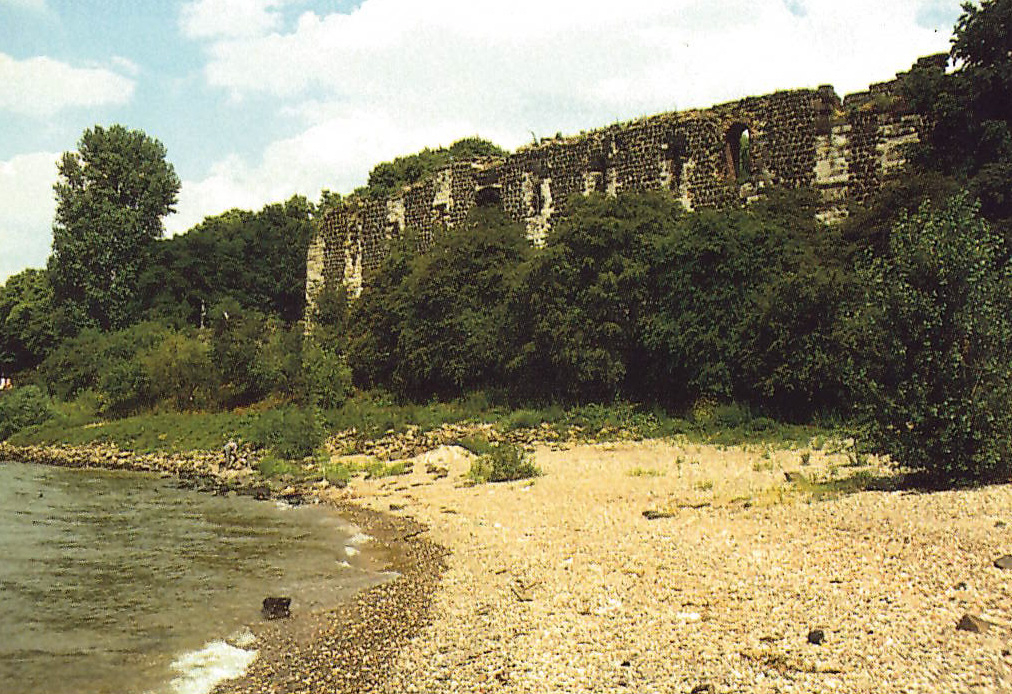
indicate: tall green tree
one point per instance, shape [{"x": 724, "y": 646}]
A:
[
  {"x": 27, "y": 329},
  {"x": 970, "y": 109},
  {"x": 111, "y": 196},
  {"x": 437, "y": 322}
]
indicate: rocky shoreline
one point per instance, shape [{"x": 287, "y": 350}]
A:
[{"x": 349, "y": 649}]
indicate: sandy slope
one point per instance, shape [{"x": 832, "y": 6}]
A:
[{"x": 563, "y": 585}]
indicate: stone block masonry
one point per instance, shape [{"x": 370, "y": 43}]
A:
[{"x": 716, "y": 157}]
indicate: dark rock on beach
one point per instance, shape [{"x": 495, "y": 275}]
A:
[{"x": 276, "y": 608}]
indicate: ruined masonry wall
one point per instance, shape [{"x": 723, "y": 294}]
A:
[{"x": 801, "y": 138}]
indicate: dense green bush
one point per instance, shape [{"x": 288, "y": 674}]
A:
[
  {"x": 503, "y": 462},
  {"x": 255, "y": 260},
  {"x": 100, "y": 361},
  {"x": 27, "y": 324},
  {"x": 253, "y": 355},
  {"x": 288, "y": 432},
  {"x": 435, "y": 323},
  {"x": 934, "y": 333},
  {"x": 376, "y": 317},
  {"x": 180, "y": 372},
  {"x": 743, "y": 306},
  {"x": 21, "y": 408},
  {"x": 328, "y": 378},
  {"x": 630, "y": 297},
  {"x": 581, "y": 301},
  {"x": 237, "y": 362}
]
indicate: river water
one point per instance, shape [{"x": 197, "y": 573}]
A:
[{"x": 120, "y": 583}]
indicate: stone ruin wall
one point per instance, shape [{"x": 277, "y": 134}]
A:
[{"x": 801, "y": 138}]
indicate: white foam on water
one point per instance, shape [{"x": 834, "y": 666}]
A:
[
  {"x": 351, "y": 551},
  {"x": 358, "y": 539},
  {"x": 200, "y": 671}
]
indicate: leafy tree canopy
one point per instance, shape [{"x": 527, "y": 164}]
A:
[
  {"x": 933, "y": 333},
  {"x": 111, "y": 196},
  {"x": 971, "y": 109},
  {"x": 27, "y": 329},
  {"x": 256, "y": 259},
  {"x": 436, "y": 322}
]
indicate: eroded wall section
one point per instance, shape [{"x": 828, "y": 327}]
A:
[{"x": 724, "y": 155}]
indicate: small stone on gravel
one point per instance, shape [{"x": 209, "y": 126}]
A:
[
  {"x": 973, "y": 624},
  {"x": 816, "y": 636},
  {"x": 1004, "y": 562}
]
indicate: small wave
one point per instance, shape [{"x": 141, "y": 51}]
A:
[{"x": 200, "y": 671}]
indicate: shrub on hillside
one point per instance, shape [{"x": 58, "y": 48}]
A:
[
  {"x": 180, "y": 372},
  {"x": 22, "y": 408},
  {"x": 934, "y": 335},
  {"x": 327, "y": 376},
  {"x": 289, "y": 432}
]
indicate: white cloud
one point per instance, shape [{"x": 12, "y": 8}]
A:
[
  {"x": 27, "y": 204},
  {"x": 125, "y": 65},
  {"x": 393, "y": 76},
  {"x": 42, "y": 86},
  {"x": 336, "y": 153},
  {"x": 36, "y": 5},
  {"x": 410, "y": 51},
  {"x": 216, "y": 18}
]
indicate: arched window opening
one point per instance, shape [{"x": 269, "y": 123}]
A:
[
  {"x": 738, "y": 151},
  {"x": 489, "y": 196}
]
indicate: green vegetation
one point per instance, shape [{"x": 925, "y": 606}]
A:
[
  {"x": 23, "y": 408},
  {"x": 389, "y": 177},
  {"x": 631, "y": 298},
  {"x": 238, "y": 361},
  {"x": 502, "y": 462},
  {"x": 27, "y": 328},
  {"x": 288, "y": 432},
  {"x": 171, "y": 432},
  {"x": 433, "y": 324},
  {"x": 635, "y": 319},
  {"x": 833, "y": 487},
  {"x": 646, "y": 472},
  {"x": 971, "y": 110},
  {"x": 238, "y": 262},
  {"x": 110, "y": 200},
  {"x": 272, "y": 467},
  {"x": 936, "y": 315}
]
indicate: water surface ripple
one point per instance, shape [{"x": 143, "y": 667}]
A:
[{"x": 106, "y": 578}]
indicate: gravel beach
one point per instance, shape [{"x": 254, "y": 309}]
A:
[{"x": 563, "y": 584}]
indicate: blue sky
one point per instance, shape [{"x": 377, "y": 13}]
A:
[{"x": 257, "y": 100}]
